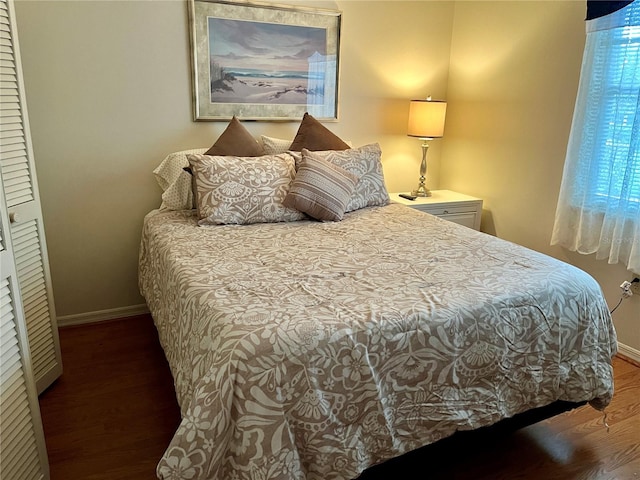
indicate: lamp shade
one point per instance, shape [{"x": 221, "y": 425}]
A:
[{"x": 426, "y": 118}]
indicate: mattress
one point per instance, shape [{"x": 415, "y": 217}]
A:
[{"x": 313, "y": 350}]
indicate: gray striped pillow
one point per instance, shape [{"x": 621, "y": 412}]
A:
[
  {"x": 365, "y": 162},
  {"x": 321, "y": 189}
]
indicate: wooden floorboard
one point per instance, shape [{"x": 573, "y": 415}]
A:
[{"x": 113, "y": 412}]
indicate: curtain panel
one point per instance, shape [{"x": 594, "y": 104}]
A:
[{"x": 599, "y": 204}]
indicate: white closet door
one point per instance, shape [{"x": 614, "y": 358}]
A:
[
  {"x": 23, "y": 454},
  {"x": 23, "y": 204}
]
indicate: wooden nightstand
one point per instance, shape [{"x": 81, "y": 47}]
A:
[{"x": 452, "y": 206}]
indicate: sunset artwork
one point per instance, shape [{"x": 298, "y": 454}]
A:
[{"x": 266, "y": 63}]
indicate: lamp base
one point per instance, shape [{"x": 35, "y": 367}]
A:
[{"x": 421, "y": 191}]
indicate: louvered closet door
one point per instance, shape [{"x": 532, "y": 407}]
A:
[
  {"x": 23, "y": 204},
  {"x": 23, "y": 454}
]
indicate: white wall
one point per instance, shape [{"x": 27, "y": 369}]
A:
[{"x": 513, "y": 80}]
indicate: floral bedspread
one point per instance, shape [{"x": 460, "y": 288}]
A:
[{"x": 311, "y": 350}]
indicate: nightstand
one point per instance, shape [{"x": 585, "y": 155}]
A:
[{"x": 452, "y": 206}]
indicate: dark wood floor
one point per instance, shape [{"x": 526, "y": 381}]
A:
[{"x": 113, "y": 412}]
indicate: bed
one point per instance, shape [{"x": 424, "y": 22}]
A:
[
  {"x": 314, "y": 329},
  {"x": 314, "y": 350}
]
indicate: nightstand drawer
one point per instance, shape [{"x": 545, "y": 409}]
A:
[
  {"x": 441, "y": 210},
  {"x": 466, "y": 219}
]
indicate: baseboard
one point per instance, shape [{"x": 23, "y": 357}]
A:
[
  {"x": 629, "y": 353},
  {"x": 101, "y": 315}
]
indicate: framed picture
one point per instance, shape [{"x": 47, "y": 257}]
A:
[{"x": 263, "y": 62}]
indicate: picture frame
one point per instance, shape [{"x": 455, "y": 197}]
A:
[{"x": 258, "y": 61}]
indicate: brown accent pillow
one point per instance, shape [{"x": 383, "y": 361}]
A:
[
  {"x": 236, "y": 141},
  {"x": 314, "y": 136},
  {"x": 321, "y": 189}
]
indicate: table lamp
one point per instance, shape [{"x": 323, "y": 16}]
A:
[{"x": 426, "y": 122}]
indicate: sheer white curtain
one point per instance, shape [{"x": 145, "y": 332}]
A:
[{"x": 599, "y": 205}]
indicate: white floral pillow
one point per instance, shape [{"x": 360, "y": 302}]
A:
[
  {"x": 243, "y": 190},
  {"x": 365, "y": 163}
]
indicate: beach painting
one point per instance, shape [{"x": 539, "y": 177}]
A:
[{"x": 266, "y": 63}]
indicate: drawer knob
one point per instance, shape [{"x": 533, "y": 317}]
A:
[
  {"x": 14, "y": 217},
  {"x": 445, "y": 212}
]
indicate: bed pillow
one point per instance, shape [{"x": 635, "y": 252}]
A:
[
  {"x": 237, "y": 141},
  {"x": 365, "y": 163},
  {"x": 274, "y": 146},
  {"x": 321, "y": 189},
  {"x": 314, "y": 136},
  {"x": 174, "y": 181},
  {"x": 243, "y": 190}
]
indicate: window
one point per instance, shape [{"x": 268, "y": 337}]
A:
[{"x": 599, "y": 205}]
